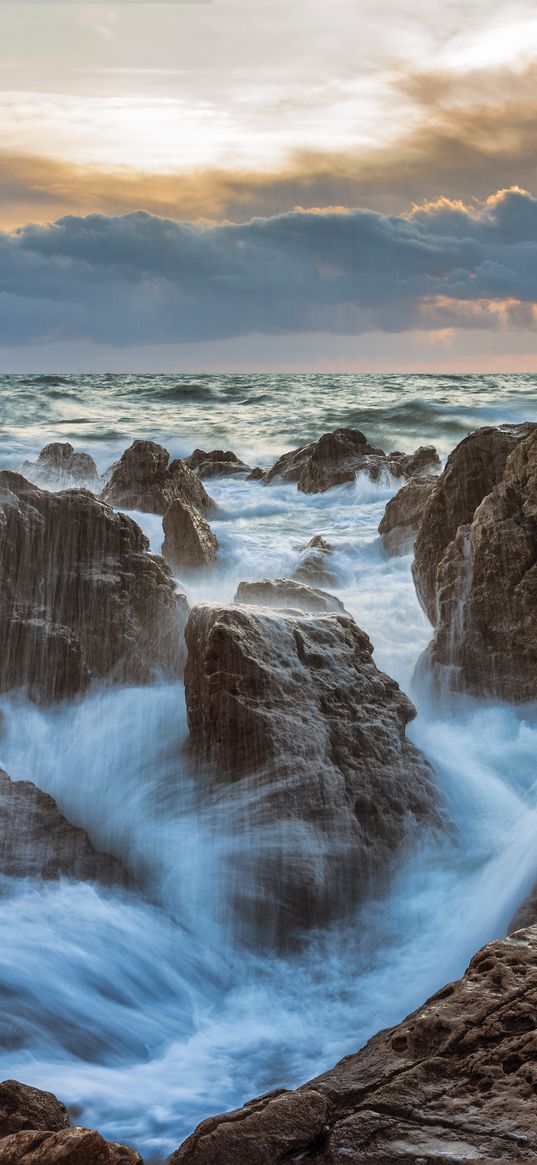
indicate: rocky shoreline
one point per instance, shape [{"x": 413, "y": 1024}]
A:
[{"x": 286, "y": 706}]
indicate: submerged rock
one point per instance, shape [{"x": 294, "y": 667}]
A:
[
  {"x": 313, "y": 566},
  {"x": 456, "y": 1079},
  {"x": 485, "y": 638},
  {"x": 36, "y": 841},
  {"x": 80, "y": 597},
  {"x": 285, "y": 593},
  {"x": 35, "y": 1130},
  {"x": 292, "y": 716},
  {"x": 189, "y": 543},
  {"x": 403, "y": 514},
  {"x": 59, "y": 464},
  {"x": 217, "y": 463},
  {"x": 339, "y": 456},
  {"x": 145, "y": 479}
]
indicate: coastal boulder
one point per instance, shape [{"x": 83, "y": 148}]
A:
[
  {"x": 287, "y": 593},
  {"x": 60, "y": 466},
  {"x": 289, "y": 714},
  {"x": 80, "y": 597},
  {"x": 485, "y": 638},
  {"x": 189, "y": 543},
  {"x": 454, "y": 1080},
  {"x": 313, "y": 567},
  {"x": 35, "y": 1130},
  {"x": 216, "y": 463},
  {"x": 403, "y": 514},
  {"x": 424, "y": 460},
  {"x": 145, "y": 479},
  {"x": 335, "y": 458}
]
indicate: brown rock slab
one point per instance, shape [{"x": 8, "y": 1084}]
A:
[
  {"x": 145, "y": 479},
  {"x": 403, "y": 514},
  {"x": 216, "y": 463},
  {"x": 287, "y": 593},
  {"x": 189, "y": 543},
  {"x": 456, "y": 1080},
  {"x": 74, "y": 1146}
]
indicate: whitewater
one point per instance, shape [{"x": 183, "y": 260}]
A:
[{"x": 146, "y": 1012}]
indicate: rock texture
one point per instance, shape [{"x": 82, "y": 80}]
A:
[
  {"x": 80, "y": 597},
  {"x": 145, "y": 479},
  {"x": 189, "y": 543},
  {"x": 403, "y": 514},
  {"x": 36, "y": 841},
  {"x": 292, "y": 717},
  {"x": 485, "y": 638},
  {"x": 35, "y": 1130},
  {"x": 456, "y": 1080},
  {"x": 337, "y": 457},
  {"x": 286, "y": 593},
  {"x": 60, "y": 465},
  {"x": 216, "y": 463},
  {"x": 471, "y": 472},
  {"x": 314, "y": 563}
]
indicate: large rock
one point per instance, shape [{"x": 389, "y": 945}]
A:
[
  {"x": 216, "y": 463},
  {"x": 36, "y": 841},
  {"x": 35, "y": 1130},
  {"x": 291, "y": 715},
  {"x": 60, "y": 465},
  {"x": 287, "y": 593},
  {"x": 145, "y": 479},
  {"x": 80, "y": 597},
  {"x": 189, "y": 543},
  {"x": 485, "y": 639},
  {"x": 403, "y": 514},
  {"x": 339, "y": 456},
  {"x": 471, "y": 472},
  {"x": 456, "y": 1080}
]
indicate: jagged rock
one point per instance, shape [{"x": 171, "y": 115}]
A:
[
  {"x": 145, "y": 479},
  {"x": 319, "y": 543},
  {"x": 257, "y": 474},
  {"x": 59, "y": 464},
  {"x": 286, "y": 593},
  {"x": 35, "y": 1130},
  {"x": 485, "y": 638},
  {"x": 189, "y": 543},
  {"x": 36, "y": 841},
  {"x": 217, "y": 463},
  {"x": 455, "y": 1080},
  {"x": 312, "y": 567},
  {"x": 335, "y": 458},
  {"x": 293, "y": 709},
  {"x": 403, "y": 514},
  {"x": 423, "y": 461},
  {"x": 80, "y": 597},
  {"x": 472, "y": 470}
]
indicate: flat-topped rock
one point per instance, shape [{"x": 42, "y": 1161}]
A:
[
  {"x": 455, "y": 1080},
  {"x": 61, "y": 466},
  {"x": 286, "y": 593},
  {"x": 403, "y": 514},
  {"x": 145, "y": 479},
  {"x": 81, "y": 599},
  {"x": 216, "y": 463},
  {"x": 189, "y": 543}
]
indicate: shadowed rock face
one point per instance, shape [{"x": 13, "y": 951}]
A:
[
  {"x": 291, "y": 715},
  {"x": 456, "y": 1079},
  {"x": 60, "y": 465},
  {"x": 36, "y": 841},
  {"x": 471, "y": 472},
  {"x": 189, "y": 543},
  {"x": 145, "y": 479},
  {"x": 80, "y": 597},
  {"x": 486, "y": 635},
  {"x": 337, "y": 457},
  {"x": 216, "y": 463},
  {"x": 34, "y": 1130},
  {"x": 403, "y": 514},
  {"x": 285, "y": 593}
]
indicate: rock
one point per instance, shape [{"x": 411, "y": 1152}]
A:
[
  {"x": 217, "y": 463},
  {"x": 189, "y": 543},
  {"x": 286, "y": 593},
  {"x": 485, "y": 640},
  {"x": 36, "y": 841},
  {"x": 319, "y": 543},
  {"x": 257, "y": 474},
  {"x": 312, "y": 567},
  {"x": 403, "y": 514},
  {"x": 145, "y": 479},
  {"x": 472, "y": 470},
  {"x": 455, "y": 1080},
  {"x": 335, "y": 458},
  {"x": 291, "y": 711},
  {"x": 423, "y": 461},
  {"x": 80, "y": 597},
  {"x": 60, "y": 465},
  {"x": 34, "y": 1130}
]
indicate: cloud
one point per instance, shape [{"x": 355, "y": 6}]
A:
[{"x": 142, "y": 279}]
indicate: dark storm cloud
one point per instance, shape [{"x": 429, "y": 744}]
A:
[{"x": 139, "y": 278}]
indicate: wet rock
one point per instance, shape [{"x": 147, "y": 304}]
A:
[
  {"x": 485, "y": 640},
  {"x": 217, "y": 463},
  {"x": 80, "y": 597},
  {"x": 145, "y": 479},
  {"x": 189, "y": 543},
  {"x": 35, "y": 1130},
  {"x": 403, "y": 514},
  {"x": 23, "y": 1107},
  {"x": 286, "y": 593},
  {"x": 60, "y": 465},
  {"x": 424, "y": 460},
  {"x": 257, "y": 474},
  {"x": 335, "y": 458},
  {"x": 36, "y": 841},
  {"x": 456, "y": 1079},
  {"x": 313, "y": 567},
  {"x": 291, "y": 715},
  {"x": 471, "y": 472}
]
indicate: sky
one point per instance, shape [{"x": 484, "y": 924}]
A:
[{"x": 295, "y": 184}]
